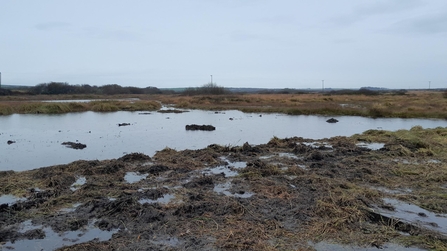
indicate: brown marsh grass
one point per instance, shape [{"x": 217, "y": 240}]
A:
[
  {"x": 417, "y": 104},
  {"x": 37, "y": 107},
  {"x": 414, "y": 104}
]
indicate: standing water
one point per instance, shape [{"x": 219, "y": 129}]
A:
[{"x": 37, "y": 138}]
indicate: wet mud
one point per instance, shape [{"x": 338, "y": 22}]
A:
[
  {"x": 172, "y": 111},
  {"x": 282, "y": 195}
]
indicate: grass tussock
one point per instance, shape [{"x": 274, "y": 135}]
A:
[
  {"x": 341, "y": 212},
  {"x": 417, "y": 161}
]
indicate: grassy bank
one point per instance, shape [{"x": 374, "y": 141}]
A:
[
  {"x": 34, "y": 107},
  {"x": 416, "y": 104},
  {"x": 411, "y": 105}
]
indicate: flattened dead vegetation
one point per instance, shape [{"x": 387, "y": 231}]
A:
[{"x": 283, "y": 195}]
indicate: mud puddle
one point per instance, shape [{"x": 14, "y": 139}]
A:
[
  {"x": 79, "y": 182},
  {"x": 414, "y": 215},
  {"x": 224, "y": 188},
  {"x": 9, "y": 199},
  {"x": 372, "y": 146},
  {"x": 133, "y": 177},
  {"x": 50, "y": 240},
  {"x": 230, "y": 170},
  {"x": 165, "y": 199},
  {"x": 324, "y": 246}
]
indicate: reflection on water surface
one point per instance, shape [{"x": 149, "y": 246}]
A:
[{"x": 38, "y": 137}]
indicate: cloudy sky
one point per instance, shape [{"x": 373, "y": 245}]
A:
[{"x": 241, "y": 43}]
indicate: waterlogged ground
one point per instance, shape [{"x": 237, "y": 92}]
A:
[
  {"x": 380, "y": 189},
  {"x": 38, "y": 138}
]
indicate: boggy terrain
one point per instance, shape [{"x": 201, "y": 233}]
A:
[
  {"x": 411, "y": 104},
  {"x": 287, "y": 194}
]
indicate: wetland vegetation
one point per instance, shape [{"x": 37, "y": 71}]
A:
[
  {"x": 411, "y": 104},
  {"x": 286, "y": 194}
]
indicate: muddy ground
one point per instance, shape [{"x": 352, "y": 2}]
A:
[{"x": 284, "y": 195}]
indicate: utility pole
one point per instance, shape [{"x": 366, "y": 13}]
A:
[
  {"x": 0, "y": 80},
  {"x": 429, "y": 83},
  {"x": 211, "y": 79},
  {"x": 322, "y": 82}
]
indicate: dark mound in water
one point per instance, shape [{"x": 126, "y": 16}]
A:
[
  {"x": 77, "y": 146},
  {"x": 171, "y": 111},
  {"x": 195, "y": 127},
  {"x": 332, "y": 120}
]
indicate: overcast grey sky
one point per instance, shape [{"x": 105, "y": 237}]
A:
[{"x": 242, "y": 43}]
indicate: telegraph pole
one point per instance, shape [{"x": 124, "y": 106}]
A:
[
  {"x": 211, "y": 79},
  {"x": 0, "y": 80},
  {"x": 322, "y": 82},
  {"x": 429, "y": 83}
]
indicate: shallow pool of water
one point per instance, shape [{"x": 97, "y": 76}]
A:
[
  {"x": 53, "y": 240},
  {"x": 78, "y": 183},
  {"x": 165, "y": 199},
  {"x": 413, "y": 214},
  {"x": 225, "y": 187},
  {"x": 133, "y": 177},
  {"x": 325, "y": 246},
  {"x": 9, "y": 199},
  {"x": 372, "y": 146},
  {"x": 38, "y": 137}
]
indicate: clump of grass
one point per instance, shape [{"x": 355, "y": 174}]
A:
[
  {"x": 144, "y": 106},
  {"x": 259, "y": 168},
  {"x": 429, "y": 242},
  {"x": 104, "y": 106},
  {"x": 340, "y": 214},
  {"x": 6, "y": 109},
  {"x": 379, "y": 111},
  {"x": 420, "y": 142},
  {"x": 18, "y": 184}
]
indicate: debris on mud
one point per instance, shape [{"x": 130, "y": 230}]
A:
[
  {"x": 172, "y": 111},
  {"x": 9, "y": 142},
  {"x": 332, "y": 120},
  {"x": 74, "y": 145},
  {"x": 124, "y": 124},
  {"x": 194, "y": 127},
  {"x": 287, "y": 194}
]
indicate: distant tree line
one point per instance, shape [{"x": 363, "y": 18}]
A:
[
  {"x": 5, "y": 92},
  {"x": 54, "y": 88},
  {"x": 367, "y": 91},
  {"x": 210, "y": 88}
]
